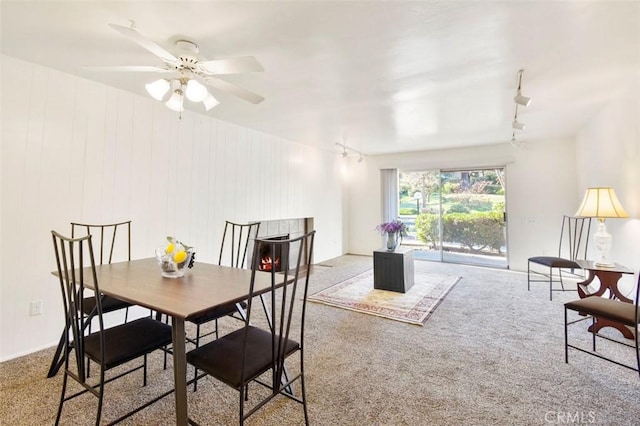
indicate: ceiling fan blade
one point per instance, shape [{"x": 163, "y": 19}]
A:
[
  {"x": 145, "y": 43},
  {"x": 134, "y": 68},
  {"x": 232, "y": 65},
  {"x": 225, "y": 86}
]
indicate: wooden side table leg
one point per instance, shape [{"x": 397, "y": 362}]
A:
[{"x": 601, "y": 323}]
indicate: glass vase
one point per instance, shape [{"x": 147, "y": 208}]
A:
[
  {"x": 169, "y": 267},
  {"x": 392, "y": 239}
]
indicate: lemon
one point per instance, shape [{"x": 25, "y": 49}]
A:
[
  {"x": 180, "y": 256},
  {"x": 170, "y": 248}
]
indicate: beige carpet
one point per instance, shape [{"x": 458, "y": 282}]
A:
[
  {"x": 491, "y": 354},
  {"x": 414, "y": 307}
]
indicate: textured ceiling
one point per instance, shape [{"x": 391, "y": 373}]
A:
[{"x": 384, "y": 77}]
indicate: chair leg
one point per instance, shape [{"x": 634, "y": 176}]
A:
[
  {"x": 304, "y": 401},
  {"x": 195, "y": 370},
  {"x": 100, "y": 397},
  {"x": 593, "y": 333},
  {"x": 303, "y": 390},
  {"x": 64, "y": 389},
  {"x": 88, "y": 360},
  {"x": 551, "y": 284},
  {"x": 144, "y": 371},
  {"x": 566, "y": 338},
  {"x": 638, "y": 350},
  {"x": 243, "y": 398}
]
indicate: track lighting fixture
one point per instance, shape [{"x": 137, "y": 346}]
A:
[
  {"x": 517, "y": 125},
  {"x": 518, "y": 98},
  {"x": 514, "y": 142},
  {"x": 346, "y": 149}
]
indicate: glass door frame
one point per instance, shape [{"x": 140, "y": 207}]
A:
[{"x": 438, "y": 254}]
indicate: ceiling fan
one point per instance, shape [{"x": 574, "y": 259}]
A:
[{"x": 188, "y": 73}]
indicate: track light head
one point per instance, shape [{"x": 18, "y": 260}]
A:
[
  {"x": 522, "y": 100},
  {"x": 344, "y": 153},
  {"x": 517, "y": 125},
  {"x": 518, "y": 98}
]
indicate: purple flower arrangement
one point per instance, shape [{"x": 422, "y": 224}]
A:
[{"x": 394, "y": 227}]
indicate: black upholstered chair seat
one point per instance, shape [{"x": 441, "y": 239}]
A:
[
  {"x": 109, "y": 304},
  {"x": 573, "y": 245},
  {"x": 128, "y": 341},
  {"x": 555, "y": 262},
  {"x": 222, "y": 358},
  {"x": 216, "y": 313},
  {"x": 601, "y": 307}
]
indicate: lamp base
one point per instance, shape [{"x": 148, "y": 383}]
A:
[
  {"x": 604, "y": 264},
  {"x": 602, "y": 240}
]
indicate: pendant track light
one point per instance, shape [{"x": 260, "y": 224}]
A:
[
  {"x": 519, "y": 99},
  {"x": 517, "y": 125}
]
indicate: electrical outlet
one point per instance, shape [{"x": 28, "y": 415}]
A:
[{"x": 36, "y": 307}]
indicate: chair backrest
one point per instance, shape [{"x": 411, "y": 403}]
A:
[
  {"x": 236, "y": 239},
  {"x": 104, "y": 239},
  {"x": 574, "y": 237},
  {"x": 72, "y": 254},
  {"x": 288, "y": 301}
]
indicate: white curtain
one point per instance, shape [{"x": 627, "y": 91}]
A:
[{"x": 389, "y": 196}]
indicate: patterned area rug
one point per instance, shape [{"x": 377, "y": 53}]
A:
[{"x": 415, "y": 306}]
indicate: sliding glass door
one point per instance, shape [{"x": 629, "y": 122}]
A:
[{"x": 455, "y": 215}]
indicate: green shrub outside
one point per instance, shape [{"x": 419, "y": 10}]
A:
[
  {"x": 478, "y": 232},
  {"x": 408, "y": 211}
]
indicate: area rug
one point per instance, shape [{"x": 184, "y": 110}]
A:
[{"x": 414, "y": 307}]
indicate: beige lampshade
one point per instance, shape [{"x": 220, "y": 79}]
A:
[{"x": 601, "y": 203}]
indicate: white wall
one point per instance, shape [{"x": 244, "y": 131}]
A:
[
  {"x": 75, "y": 150},
  {"x": 545, "y": 179},
  {"x": 541, "y": 187},
  {"x": 609, "y": 155}
]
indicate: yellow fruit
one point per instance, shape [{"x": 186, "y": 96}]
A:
[
  {"x": 180, "y": 256},
  {"x": 170, "y": 248}
]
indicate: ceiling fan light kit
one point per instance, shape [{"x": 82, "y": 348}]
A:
[
  {"x": 158, "y": 88},
  {"x": 210, "y": 102},
  {"x": 196, "y": 92},
  {"x": 176, "y": 101},
  {"x": 188, "y": 71}
]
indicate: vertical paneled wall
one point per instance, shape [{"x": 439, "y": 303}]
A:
[{"x": 75, "y": 150}]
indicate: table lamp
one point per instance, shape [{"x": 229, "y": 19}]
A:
[{"x": 601, "y": 203}]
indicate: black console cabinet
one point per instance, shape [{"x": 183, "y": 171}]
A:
[{"x": 393, "y": 270}]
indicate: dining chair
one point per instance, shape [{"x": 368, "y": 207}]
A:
[
  {"x": 237, "y": 238},
  {"x": 104, "y": 242},
  {"x": 599, "y": 308},
  {"x": 257, "y": 353},
  {"x": 107, "y": 347},
  {"x": 573, "y": 245}
]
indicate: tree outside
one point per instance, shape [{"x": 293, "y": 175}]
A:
[{"x": 472, "y": 203}]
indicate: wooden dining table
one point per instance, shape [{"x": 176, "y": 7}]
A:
[{"x": 203, "y": 287}]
